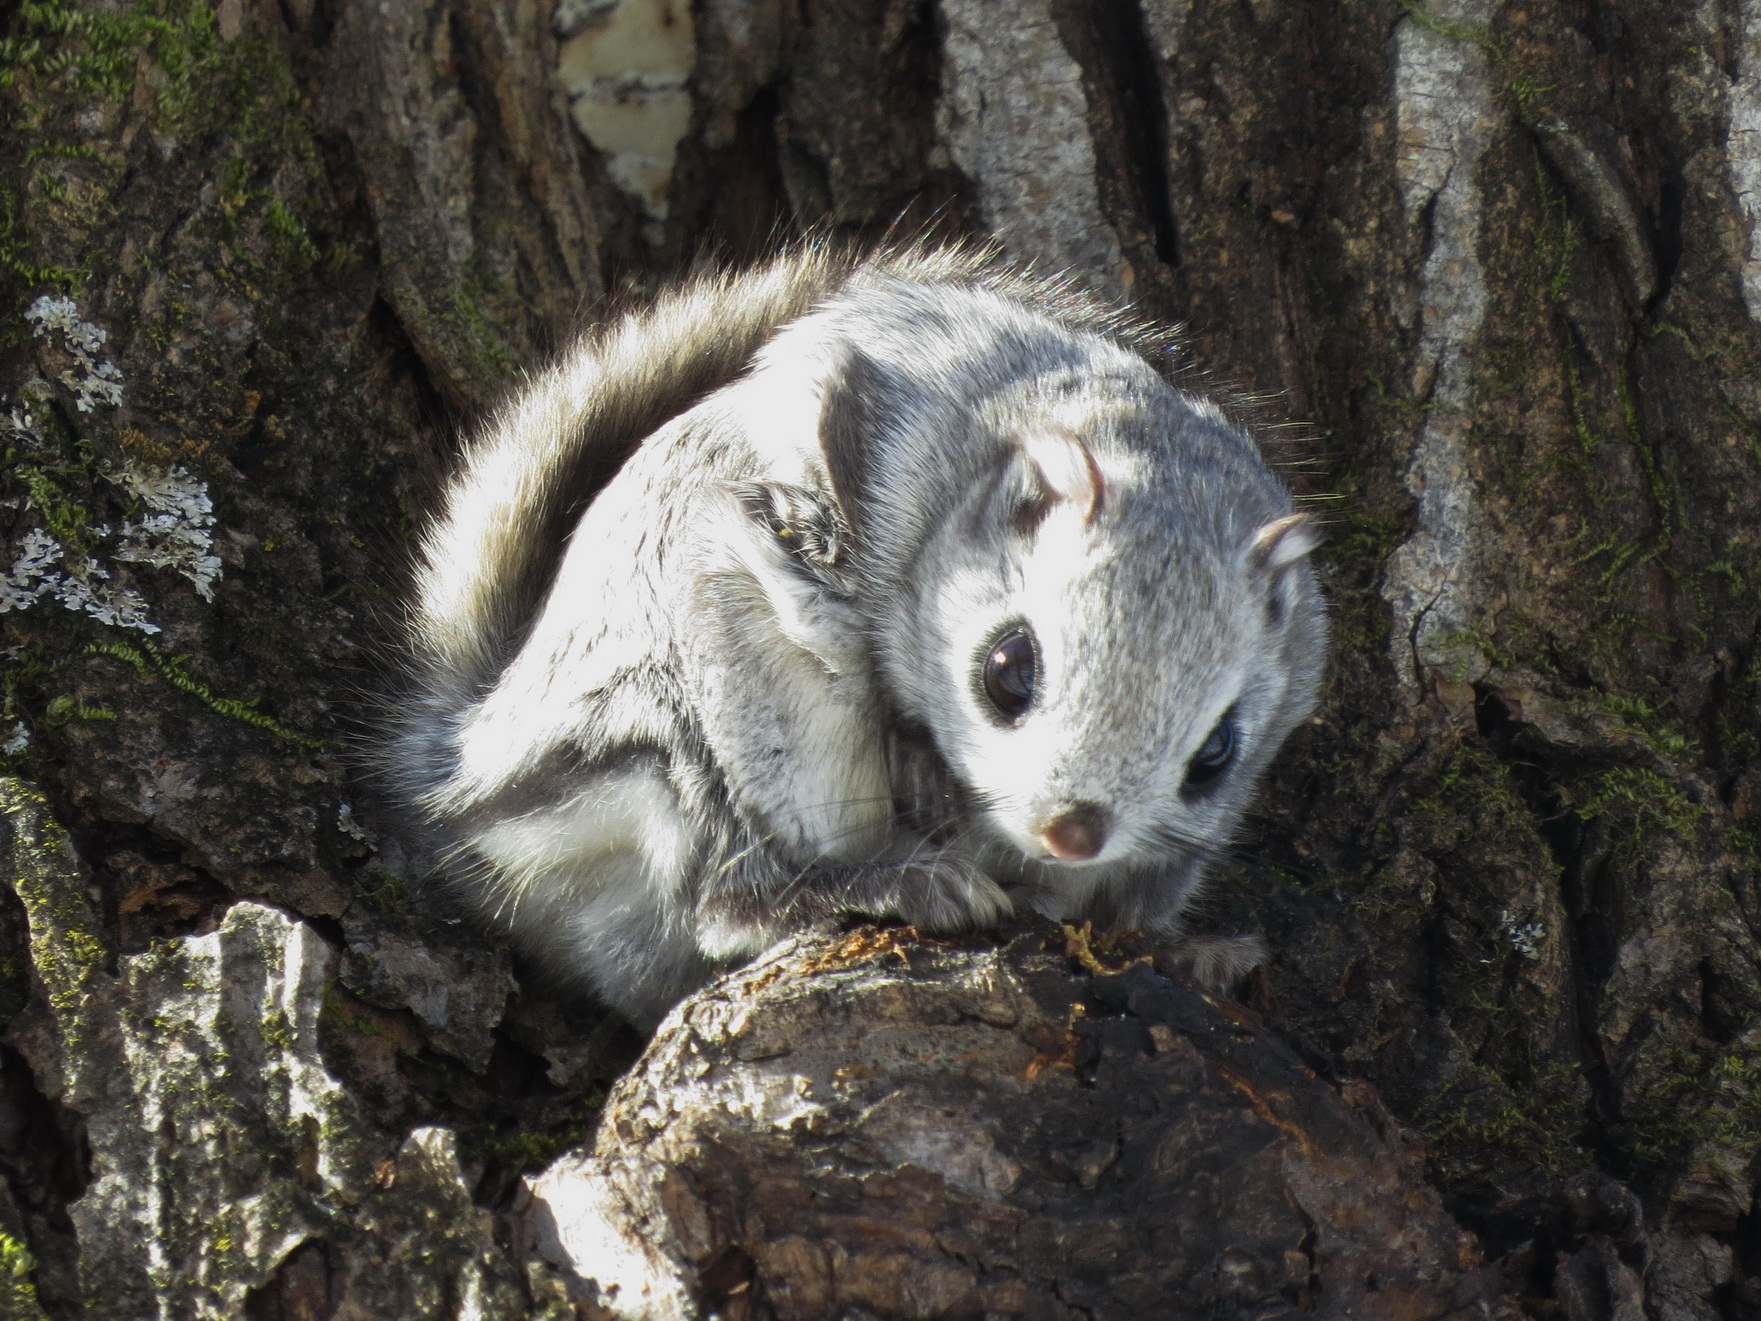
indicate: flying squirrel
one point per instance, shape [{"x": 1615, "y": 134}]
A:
[{"x": 916, "y": 594}]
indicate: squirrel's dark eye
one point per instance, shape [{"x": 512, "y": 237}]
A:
[
  {"x": 1010, "y": 668},
  {"x": 1213, "y": 757}
]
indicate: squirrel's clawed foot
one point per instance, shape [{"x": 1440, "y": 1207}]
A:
[
  {"x": 939, "y": 897},
  {"x": 1218, "y": 963}
]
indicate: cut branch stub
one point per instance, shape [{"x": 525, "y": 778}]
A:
[{"x": 1029, "y": 1125}]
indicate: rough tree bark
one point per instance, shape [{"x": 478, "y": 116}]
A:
[
  {"x": 1035, "y": 1123},
  {"x": 261, "y": 260}
]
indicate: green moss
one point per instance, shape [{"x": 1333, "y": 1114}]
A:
[
  {"x": 1466, "y": 643},
  {"x": 283, "y": 222},
  {"x": 278, "y": 1030},
  {"x": 1693, "y": 351},
  {"x": 64, "y": 710},
  {"x": 1482, "y": 1128},
  {"x": 1737, "y": 730},
  {"x": 1566, "y": 251},
  {"x": 1704, "y": 1098},
  {"x": 1473, "y": 789},
  {"x": 390, "y": 897},
  {"x": 1633, "y": 803},
  {"x": 21, "y": 667},
  {"x": 339, "y": 1014},
  {"x": 1605, "y": 546},
  {"x": 1550, "y": 244},
  {"x": 162, "y": 61},
  {"x": 1526, "y": 92},
  {"x": 150, "y": 664},
  {"x": 521, "y": 1149},
  {"x": 1706, "y": 569},
  {"x": 18, "y": 1293},
  {"x": 15, "y": 248},
  {"x": 97, "y": 53},
  {"x": 67, "y": 945},
  {"x": 1638, "y": 716},
  {"x": 1472, "y": 34},
  {"x": 65, "y": 520},
  {"x": 1480, "y": 904},
  {"x": 1398, "y": 402},
  {"x": 493, "y": 357}
]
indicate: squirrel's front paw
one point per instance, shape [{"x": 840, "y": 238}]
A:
[
  {"x": 939, "y": 897},
  {"x": 1218, "y": 963}
]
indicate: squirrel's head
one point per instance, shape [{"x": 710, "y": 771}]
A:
[{"x": 1098, "y": 601}]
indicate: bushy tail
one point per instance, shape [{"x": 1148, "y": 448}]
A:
[{"x": 486, "y": 562}]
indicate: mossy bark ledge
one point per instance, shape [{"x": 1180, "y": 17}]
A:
[{"x": 1026, "y": 1126}]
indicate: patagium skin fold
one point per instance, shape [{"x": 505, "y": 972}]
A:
[{"x": 919, "y": 595}]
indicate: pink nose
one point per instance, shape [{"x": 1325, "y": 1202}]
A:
[{"x": 1077, "y": 833}]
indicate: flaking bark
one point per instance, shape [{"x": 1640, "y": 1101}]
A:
[{"x": 1035, "y": 1125}]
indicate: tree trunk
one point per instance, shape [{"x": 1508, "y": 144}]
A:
[{"x": 263, "y": 262}]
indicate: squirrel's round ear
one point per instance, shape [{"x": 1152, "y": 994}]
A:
[
  {"x": 1282, "y": 541},
  {"x": 808, "y": 525},
  {"x": 1062, "y": 470}
]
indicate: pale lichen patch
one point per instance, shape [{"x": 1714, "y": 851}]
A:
[
  {"x": 93, "y": 381},
  {"x": 46, "y": 568},
  {"x": 1527, "y": 938},
  {"x": 173, "y": 528},
  {"x": 176, "y": 531}
]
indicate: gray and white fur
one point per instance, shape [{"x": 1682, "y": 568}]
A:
[{"x": 751, "y": 683}]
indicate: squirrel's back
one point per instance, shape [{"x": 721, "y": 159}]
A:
[{"x": 485, "y": 562}]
